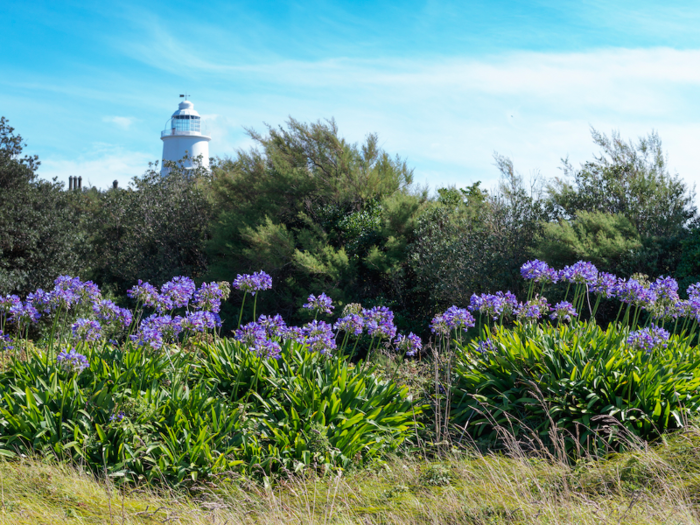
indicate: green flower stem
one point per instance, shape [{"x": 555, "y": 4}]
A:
[{"x": 240, "y": 315}]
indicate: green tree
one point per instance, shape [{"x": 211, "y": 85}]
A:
[
  {"x": 155, "y": 229},
  {"x": 43, "y": 231},
  {"x": 317, "y": 213},
  {"x": 470, "y": 241},
  {"x": 632, "y": 180},
  {"x": 607, "y": 240}
]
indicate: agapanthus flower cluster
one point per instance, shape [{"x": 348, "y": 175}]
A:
[
  {"x": 176, "y": 293},
  {"x": 494, "y": 306},
  {"x": 666, "y": 303},
  {"x": 117, "y": 416},
  {"x": 321, "y": 304},
  {"x": 408, "y": 345},
  {"x": 274, "y": 325},
  {"x": 694, "y": 291},
  {"x": 605, "y": 285},
  {"x": 351, "y": 323},
  {"x": 72, "y": 361},
  {"x": 563, "y": 311},
  {"x": 633, "y": 292},
  {"x": 43, "y": 301},
  {"x": 5, "y": 342},
  {"x": 69, "y": 291},
  {"x": 200, "y": 321},
  {"x": 254, "y": 337},
  {"x": 458, "y": 318},
  {"x": 581, "y": 272},
  {"x": 485, "y": 345},
  {"x": 168, "y": 326},
  {"x": 105, "y": 310},
  {"x": 438, "y": 325},
  {"x": 648, "y": 338},
  {"x": 319, "y": 336},
  {"x": 7, "y": 303},
  {"x": 532, "y": 310},
  {"x": 86, "y": 330},
  {"x": 208, "y": 297},
  {"x": 539, "y": 272},
  {"x": 23, "y": 312},
  {"x": 145, "y": 293},
  {"x": 379, "y": 322},
  {"x": 253, "y": 283}
]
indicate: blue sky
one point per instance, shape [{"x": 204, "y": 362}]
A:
[{"x": 89, "y": 85}]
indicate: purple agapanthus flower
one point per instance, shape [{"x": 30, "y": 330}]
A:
[
  {"x": 274, "y": 326},
  {"x": 268, "y": 349},
  {"x": 352, "y": 323},
  {"x": 648, "y": 338},
  {"x": 379, "y": 322},
  {"x": 408, "y": 345},
  {"x": 293, "y": 333},
  {"x": 21, "y": 313},
  {"x": 8, "y": 302},
  {"x": 69, "y": 290},
  {"x": 5, "y": 342},
  {"x": 117, "y": 416},
  {"x": 634, "y": 292},
  {"x": 539, "y": 271},
  {"x": 458, "y": 318},
  {"x": 532, "y": 310},
  {"x": 168, "y": 327},
  {"x": 665, "y": 288},
  {"x": 605, "y": 285},
  {"x": 321, "y": 304},
  {"x": 208, "y": 297},
  {"x": 254, "y": 337},
  {"x": 563, "y": 311},
  {"x": 495, "y": 305},
  {"x": 438, "y": 325},
  {"x": 200, "y": 321},
  {"x": 253, "y": 283},
  {"x": 485, "y": 345},
  {"x": 148, "y": 336},
  {"x": 250, "y": 334},
  {"x": 694, "y": 291},
  {"x": 581, "y": 272},
  {"x": 176, "y": 293},
  {"x": 86, "y": 330},
  {"x": 107, "y": 311},
  {"x": 145, "y": 293},
  {"x": 72, "y": 361},
  {"x": 43, "y": 301},
  {"x": 319, "y": 336}
]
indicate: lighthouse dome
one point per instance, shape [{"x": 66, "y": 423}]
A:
[{"x": 185, "y": 108}]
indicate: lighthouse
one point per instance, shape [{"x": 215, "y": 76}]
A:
[{"x": 183, "y": 140}]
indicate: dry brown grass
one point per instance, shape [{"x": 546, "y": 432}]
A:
[{"x": 659, "y": 485}]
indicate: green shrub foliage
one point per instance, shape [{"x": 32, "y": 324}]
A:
[
  {"x": 193, "y": 414},
  {"x": 582, "y": 383}
]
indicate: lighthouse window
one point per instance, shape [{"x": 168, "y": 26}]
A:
[{"x": 186, "y": 123}]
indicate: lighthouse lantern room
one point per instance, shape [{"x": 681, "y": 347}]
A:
[{"x": 183, "y": 140}]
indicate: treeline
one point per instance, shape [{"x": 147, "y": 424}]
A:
[{"x": 322, "y": 215}]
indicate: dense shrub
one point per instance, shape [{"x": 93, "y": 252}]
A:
[
  {"x": 189, "y": 415},
  {"x": 588, "y": 385}
]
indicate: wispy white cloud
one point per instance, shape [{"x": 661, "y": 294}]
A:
[
  {"x": 122, "y": 122},
  {"x": 445, "y": 115}
]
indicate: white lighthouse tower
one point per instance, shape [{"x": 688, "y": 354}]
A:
[{"x": 182, "y": 137}]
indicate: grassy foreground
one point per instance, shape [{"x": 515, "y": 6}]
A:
[{"x": 650, "y": 485}]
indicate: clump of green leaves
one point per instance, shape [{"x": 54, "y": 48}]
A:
[
  {"x": 193, "y": 415},
  {"x": 579, "y": 386}
]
